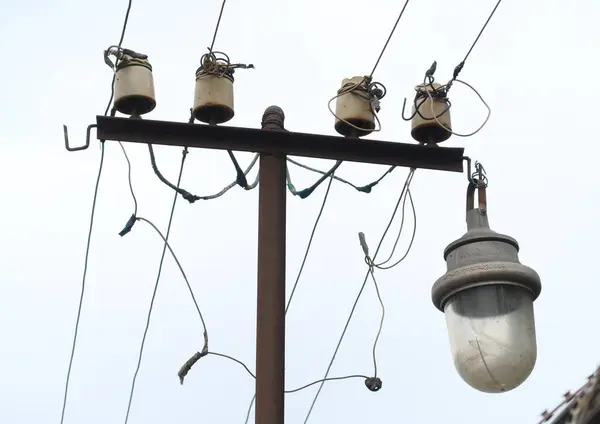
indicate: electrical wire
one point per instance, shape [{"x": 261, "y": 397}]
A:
[
  {"x": 212, "y": 44},
  {"x": 303, "y": 194},
  {"x": 240, "y": 176},
  {"x": 178, "y": 190},
  {"x": 389, "y": 38},
  {"x": 370, "y": 91},
  {"x": 231, "y": 358},
  {"x": 431, "y": 104},
  {"x": 158, "y": 275},
  {"x": 460, "y": 66},
  {"x": 424, "y": 91},
  {"x": 89, "y": 238},
  {"x": 381, "y": 321},
  {"x": 309, "y": 244},
  {"x": 190, "y": 362},
  {"x": 363, "y": 189},
  {"x": 135, "y": 202},
  {"x": 345, "y": 329},
  {"x": 383, "y": 266},
  {"x": 85, "y": 268},
  {"x": 112, "y": 95},
  {"x": 400, "y": 230},
  {"x": 303, "y": 263},
  {"x": 286, "y": 310},
  {"x": 123, "y": 30},
  {"x": 187, "y": 282},
  {"x": 222, "y": 355},
  {"x": 347, "y": 377},
  {"x": 407, "y": 196},
  {"x": 371, "y": 264},
  {"x": 192, "y": 197}
]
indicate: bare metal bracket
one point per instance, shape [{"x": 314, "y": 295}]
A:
[{"x": 87, "y": 139}]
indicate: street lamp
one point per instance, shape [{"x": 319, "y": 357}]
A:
[{"x": 487, "y": 297}]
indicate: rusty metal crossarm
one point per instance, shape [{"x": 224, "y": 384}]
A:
[{"x": 289, "y": 143}]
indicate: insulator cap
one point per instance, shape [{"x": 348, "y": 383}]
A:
[
  {"x": 213, "y": 97},
  {"x": 431, "y": 119},
  {"x": 134, "y": 86},
  {"x": 354, "y": 115}
]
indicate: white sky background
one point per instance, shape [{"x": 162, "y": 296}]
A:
[{"x": 535, "y": 67}]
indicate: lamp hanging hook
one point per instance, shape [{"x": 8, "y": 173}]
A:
[{"x": 477, "y": 180}]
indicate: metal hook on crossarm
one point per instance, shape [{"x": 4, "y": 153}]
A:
[{"x": 87, "y": 139}]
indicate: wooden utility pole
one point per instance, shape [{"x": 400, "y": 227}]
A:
[{"x": 274, "y": 145}]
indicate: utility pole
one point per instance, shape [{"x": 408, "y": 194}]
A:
[
  {"x": 270, "y": 314},
  {"x": 274, "y": 144}
]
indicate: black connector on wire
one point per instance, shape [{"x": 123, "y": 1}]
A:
[
  {"x": 240, "y": 178},
  {"x": 184, "y": 193},
  {"x": 303, "y": 194},
  {"x": 128, "y": 226},
  {"x": 367, "y": 188},
  {"x": 457, "y": 70}
]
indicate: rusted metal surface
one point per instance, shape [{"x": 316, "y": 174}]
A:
[
  {"x": 579, "y": 407},
  {"x": 481, "y": 197},
  {"x": 270, "y": 325},
  {"x": 282, "y": 143}
]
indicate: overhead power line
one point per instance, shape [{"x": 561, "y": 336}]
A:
[
  {"x": 212, "y": 44},
  {"x": 389, "y": 38},
  {"x": 89, "y": 238},
  {"x": 460, "y": 66}
]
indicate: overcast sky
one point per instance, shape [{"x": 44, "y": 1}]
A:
[{"x": 534, "y": 65}]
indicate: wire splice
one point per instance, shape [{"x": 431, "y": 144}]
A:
[
  {"x": 187, "y": 366},
  {"x": 184, "y": 193},
  {"x": 367, "y": 188},
  {"x": 373, "y": 384},
  {"x": 389, "y": 37},
  {"x": 303, "y": 194},
  {"x": 128, "y": 225},
  {"x": 119, "y": 53},
  {"x": 460, "y": 66},
  {"x": 240, "y": 176},
  {"x": 363, "y": 243}
]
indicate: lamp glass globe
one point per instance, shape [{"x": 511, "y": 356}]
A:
[{"x": 492, "y": 335}]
